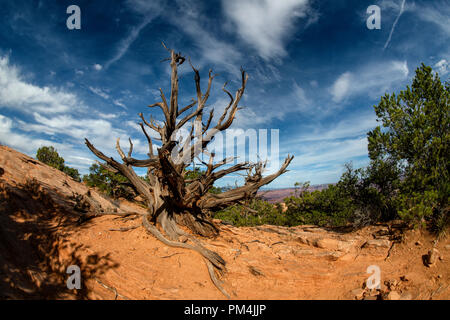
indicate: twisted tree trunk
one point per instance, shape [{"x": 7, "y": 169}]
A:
[{"x": 171, "y": 199}]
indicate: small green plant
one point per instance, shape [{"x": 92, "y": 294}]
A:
[
  {"x": 73, "y": 173},
  {"x": 328, "y": 207},
  {"x": 417, "y": 208},
  {"x": 50, "y": 156},
  {"x": 112, "y": 184},
  {"x": 257, "y": 212}
]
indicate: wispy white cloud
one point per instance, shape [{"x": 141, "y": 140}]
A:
[
  {"x": 119, "y": 103},
  {"x": 18, "y": 94},
  {"x": 259, "y": 110},
  {"x": 107, "y": 115},
  {"x": 323, "y": 148},
  {"x": 99, "y": 92},
  {"x": 187, "y": 16},
  {"x": 105, "y": 95},
  {"x": 341, "y": 87},
  {"x": 318, "y": 174},
  {"x": 27, "y": 137},
  {"x": 73, "y": 130},
  {"x": 29, "y": 143},
  {"x": 192, "y": 21},
  {"x": 330, "y": 152},
  {"x": 437, "y": 13},
  {"x": 22, "y": 142},
  {"x": 373, "y": 80},
  {"x": 265, "y": 24},
  {"x": 300, "y": 98},
  {"x": 443, "y": 67},
  {"x": 350, "y": 127},
  {"x": 56, "y": 116},
  {"x": 322, "y": 162},
  {"x": 68, "y": 125},
  {"x": 145, "y": 7}
]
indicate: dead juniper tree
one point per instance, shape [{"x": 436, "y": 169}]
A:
[{"x": 171, "y": 199}]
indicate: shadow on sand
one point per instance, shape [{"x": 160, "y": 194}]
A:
[{"x": 34, "y": 250}]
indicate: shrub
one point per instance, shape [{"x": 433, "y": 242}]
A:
[
  {"x": 257, "y": 212},
  {"x": 112, "y": 184},
  {"x": 73, "y": 173},
  {"x": 415, "y": 138},
  {"x": 50, "y": 156},
  {"x": 324, "y": 208},
  {"x": 373, "y": 192},
  {"x": 328, "y": 207}
]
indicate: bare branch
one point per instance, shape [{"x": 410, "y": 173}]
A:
[
  {"x": 211, "y": 115},
  {"x": 131, "y": 148},
  {"x": 223, "y": 162},
  {"x": 149, "y": 140},
  {"x": 119, "y": 150},
  {"x": 107, "y": 167},
  {"x": 151, "y": 124},
  {"x": 210, "y": 201},
  {"x": 194, "y": 102}
]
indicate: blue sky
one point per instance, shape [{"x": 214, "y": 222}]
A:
[{"x": 315, "y": 71}]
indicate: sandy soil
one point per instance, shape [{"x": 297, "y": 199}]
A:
[{"x": 41, "y": 235}]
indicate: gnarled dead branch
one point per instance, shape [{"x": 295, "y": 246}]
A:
[{"x": 172, "y": 200}]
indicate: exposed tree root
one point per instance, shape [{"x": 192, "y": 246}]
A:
[
  {"x": 112, "y": 289},
  {"x": 128, "y": 217},
  {"x": 215, "y": 280},
  {"x": 127, "y": 228},
  {"x": 214, "y": 262},
  {"x": 170, "y": 255},
  {"x": 389, "y": 251},
  {"x": 198, "y": 225}
]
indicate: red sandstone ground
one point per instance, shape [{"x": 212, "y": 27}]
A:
[{"x": 40, "y": 237}]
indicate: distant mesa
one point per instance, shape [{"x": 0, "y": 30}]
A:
[{"x": 278, "y": 195}]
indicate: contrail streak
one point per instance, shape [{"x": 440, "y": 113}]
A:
[
  {"x": 128, "y": 41},
  {"x": 402, "y": 8}
]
